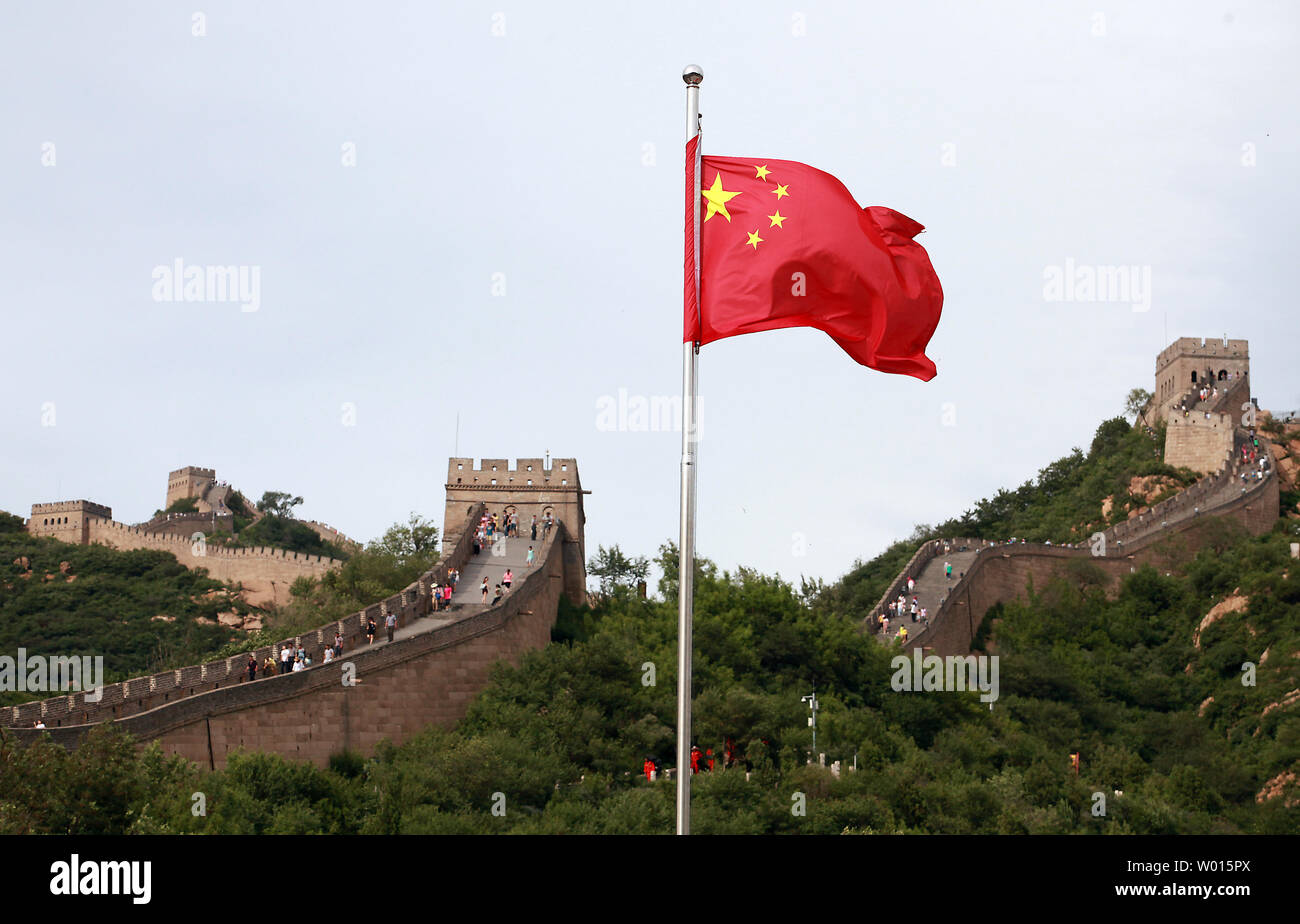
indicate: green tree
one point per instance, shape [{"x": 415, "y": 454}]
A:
[
  {"x": 279, "y": 504},
  {"x": 614, "y": 569},
  {"x": 1136, "y": 401}
]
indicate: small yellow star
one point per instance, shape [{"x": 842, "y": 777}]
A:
[
  {"x": 780, "y": 192},
  {"x": 777, "y": 219},
  {"x": 762, "y": 172},
  {"x": 718, "y": 198},
  {"x": 754, "y": 239}
]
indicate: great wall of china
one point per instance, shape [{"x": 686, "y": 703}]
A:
[
  {"x": 428, "y": 673},
  {"x": 435, "y": 666}
]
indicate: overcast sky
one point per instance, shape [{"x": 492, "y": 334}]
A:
[{"x": 507, "y": 246}]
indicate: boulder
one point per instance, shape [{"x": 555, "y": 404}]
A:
[{"x": 1233, "y": 603}]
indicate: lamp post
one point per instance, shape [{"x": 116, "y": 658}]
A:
[{"x": 811, "y": 700}]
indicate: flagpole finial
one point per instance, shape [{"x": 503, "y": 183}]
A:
[{"x": 693, "y": 75}]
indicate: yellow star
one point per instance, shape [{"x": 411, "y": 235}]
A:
[
  {"x": 777, "y": 219},
  {"x": 718, "y": 198},
  {"x": 762, "y": 172},
  {"x": 780, "y": 191},
  {"x": 754, "y": 239}
]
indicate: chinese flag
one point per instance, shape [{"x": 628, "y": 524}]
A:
[{"x": 785, "y": 245}]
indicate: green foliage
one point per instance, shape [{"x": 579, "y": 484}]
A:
[
  {"x": 278, "y": 504},
  {"x": 106, "y": 604},
  {"x": 1136, "y": 401},
  {"x": 183, "y": 505},
  {"x": 616, "y": 570},
  {"x": 1165, "y": 727}
]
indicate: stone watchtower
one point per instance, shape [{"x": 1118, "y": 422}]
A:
[
  {"x": 1190, "y": 362},
  {"x": 190, "y": 481},
  {"x": 1202, "y": 439},
  {"x": 68, "y": 521},
  {"x": 529, "y": 489}
]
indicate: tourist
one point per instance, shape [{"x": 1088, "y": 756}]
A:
[
  {"x": 371, "y": 628},
  {"x": 329, "y": 656},
  {"x": 390, "y": 623},
  {"x": 285, "y": 656},
  {"x": 902, "y": 633},
  {"x": 446, "y": 595},
  {"x": 268, "y": 666},
  {"x": 911, "y": 583},
  {"x": 484, "y": 588},
  {"x": 534, "y": 527},
  {"x": 947, "y": 570},
  {"x": 507, "y": 579},
  {"x": 297, "y": 664},
  {"x": 914, "y": 609},
  {"x": 252, "y": 667},
  {"x": 531, "y": 554},
  {"x": 338, "y": 644},
  {"x": 496, "y": 597}
]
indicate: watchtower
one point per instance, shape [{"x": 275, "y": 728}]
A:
[
  {"x": 531, "y": 488},
  {"x": 190, "y": 481},
  {"x": 68, "y": 521},
  {"x": 1190, "y": 362}
]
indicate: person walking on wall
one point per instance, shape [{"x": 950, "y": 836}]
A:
[
  {"x": 370, "y": 630},
  {"x": 390, "y": 623}
]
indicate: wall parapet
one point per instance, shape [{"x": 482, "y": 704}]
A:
[{"x": 135, "y": 695}]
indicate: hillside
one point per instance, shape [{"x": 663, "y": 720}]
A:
[
  {"x": 1146, "y": 686},
  {"x": 142, "y": 610}
]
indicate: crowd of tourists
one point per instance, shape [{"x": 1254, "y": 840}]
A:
[
  {"x": 494, "y": 527},
  {"x": 901, "y": 612}
]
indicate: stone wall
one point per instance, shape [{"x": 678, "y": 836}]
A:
[
  {"x": 67, "y": 521},
  {"x": 1198, "y": 443},
  {"x": 404, "y": 685},
  {"x": 266, "y": 573},
  {"x": 1173, "y": 535},
  {"x": 1176, "y": 363},
  {"x": 528, "y": 489}
]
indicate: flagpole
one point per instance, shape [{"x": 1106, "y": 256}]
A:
[{"x": 693, "y": 76}]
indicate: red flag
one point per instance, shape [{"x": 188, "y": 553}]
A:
[{"x": 785, "y": 245}]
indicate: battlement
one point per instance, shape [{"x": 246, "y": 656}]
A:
[
  {"x": 562, "y": 475},
  {"x": 1191, "y": 362},
  {"x": 77, "y": 506},
  {"x": 190, "y": 481},
  {"x": 194, "y": 470},
  {"x": 1202, "y": 348}
]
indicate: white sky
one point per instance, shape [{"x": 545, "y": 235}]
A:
[{"x": 552, "y": 154}]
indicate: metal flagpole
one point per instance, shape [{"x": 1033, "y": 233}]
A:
[{"x": 693, "y": 76}]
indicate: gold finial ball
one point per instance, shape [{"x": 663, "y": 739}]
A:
[{"x": 693, "y": 75}]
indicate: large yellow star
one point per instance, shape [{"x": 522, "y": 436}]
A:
[
  {"x": 777, "y": 219},
  {"x": 754, "y": 239},
  {"x": 718, "y": 198},
  {"x": 780, "y": 191},
  {"x": 762, "y": 172}
]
